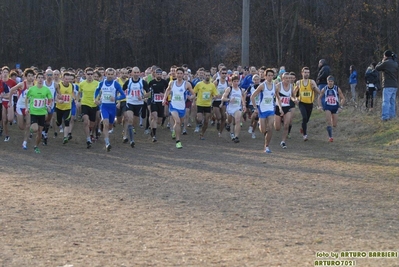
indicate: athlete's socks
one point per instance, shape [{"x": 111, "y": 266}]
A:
[
  {"x": 130, "y": 129},
  {"x": 163, "y": 120},
  {"x": 154, "y": 131},
  {"x": 304, "y": 128},
  {"x": 329, "y": 130},
  {"x": 46, "y": 127},
  {"x": 106, "y": 141},
  {"x": 88, "y": 139},
  {"x": 289, "y": 129}
]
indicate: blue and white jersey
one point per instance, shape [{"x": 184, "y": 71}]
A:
[
  {"x": 331, "y": 96},
  {"x": 266, "y": 98},
  {"x": 108, "y": 90},
  {"x": 178, "y": 95}
]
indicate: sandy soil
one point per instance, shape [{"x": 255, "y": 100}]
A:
[{"x": 212, "y": 203}]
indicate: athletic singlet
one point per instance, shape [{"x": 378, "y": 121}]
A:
[
  {"x": 331, "y": 96},
  {"x": 67, "y": 93},
  {"x": 134, "y": 91},
  {"x": 178, "y": 96},
  {"x": 285, "y": 96},
  {"x": 52, "y": 90},
  {"x": 306, "y": 92},
  {"x": 266, "y": 99},
  {"x": 253, "y": 89},
  {"x": 22, "y": 96},
  {"x": 237, "y": 102},
  {"x": 108, "y": 91},
  {"x": 221, "y": 88}
]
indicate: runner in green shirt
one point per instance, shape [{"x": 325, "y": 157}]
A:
[{"x": 38, "y": 103}]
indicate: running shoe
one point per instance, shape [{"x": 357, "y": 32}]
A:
[
  {"x": 65, "y": 140},
  {"x": 250, "y": 129},
  {"x": 267, "y": 150},
  {"x": 147, "y": 131},
  {"x": 305, "y": 137},
  {"x": 132, "y": 144},
  {"x": 253, "y": 136},
  {"x": 24, "y": 146},
  {"x": 55, "y": 135},
  {"x": 188, "y": 124},
  {"x": 125, "y": 140},
  {"x": 330, "y": 139},
  {"x": 7, "y": 139},
  {"x": 111, "y": 131},
  {"x": 141, "y": 126},
  {"x": 173, "y": 134},
  {"x": 212, "y": 123},
  {"x": 232, "y": 136},
  {"x": 168, "y": 125},
  {"x": 184, "y": 132},
  {"x": 196, "y": 129},
  {"x": 236, "y": 140},
  {"x": 227, "y": 127},
  {"x": 37, "y": 150},
  {"x": 179, "y": 145},
  {"x": 282, "y": 144},
  {"x": 45, "y": 141},
  {"x": 69, "y": 136},
  {"x": 61, "y": 129},
  {"x": 201, "y": 137},
  {"x": 219, "y": 134},
  {"x": 289, "y": 136},
  {"x": 108, "y": 147},
  {"x": 89, "y": 143},
  {"x": 154, "y": 139}
]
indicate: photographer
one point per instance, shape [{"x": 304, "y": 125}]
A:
[{"x": 389, "y": 68}]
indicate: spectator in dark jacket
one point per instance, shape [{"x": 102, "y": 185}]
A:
[
  {"x": 389, "y": 68},
  {"x": 372, "y": 81},
  {"x": 324, "y": 72}
]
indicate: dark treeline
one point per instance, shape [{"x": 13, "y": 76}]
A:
[{"x": 294, "y": 33}]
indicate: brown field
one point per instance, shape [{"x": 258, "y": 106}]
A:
[{"x": 212, "y": 203}]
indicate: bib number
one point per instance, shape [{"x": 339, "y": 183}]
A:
[
  {"x": 268, "y": 100},
  {"x": 306, "y": 94},
  {"x": 135, "y": 93},
  {"x": 177, "y": 98},
  {"x": 331, "y": 100},
  {"x": 66, "y": 98},
  {"x": 206, "y": 95},
  {"x": 39, "y": 103},
  {"x": 158, "y": 98},
  {"x": 285, "y": 100}
]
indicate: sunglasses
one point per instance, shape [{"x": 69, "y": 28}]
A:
[{"x": 89, "y": 73}]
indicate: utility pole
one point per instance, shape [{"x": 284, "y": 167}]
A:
[{"x": 245, "y": 33}]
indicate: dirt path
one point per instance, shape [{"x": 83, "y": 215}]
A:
[{"x": 213, "y": 203}]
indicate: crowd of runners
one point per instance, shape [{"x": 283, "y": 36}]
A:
[{"x": 38, "y": 100}]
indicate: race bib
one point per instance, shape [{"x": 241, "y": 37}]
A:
[
  {"x": 331, "y": 100},
  {"x": 285, "y": 100},
  {"x": 66, "y": 98},
  {"x": 158, "y": 98},
  {"x": 135, "y": 93},
  {"x": 268, "y": 100},
  {"x": 107, "y": 96},
  {"x": 206, "y": 95},
  {"x": 39, "y": 103},
  {"x": 177, "y": 98},
  {"x": 306, "y": 94}
]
